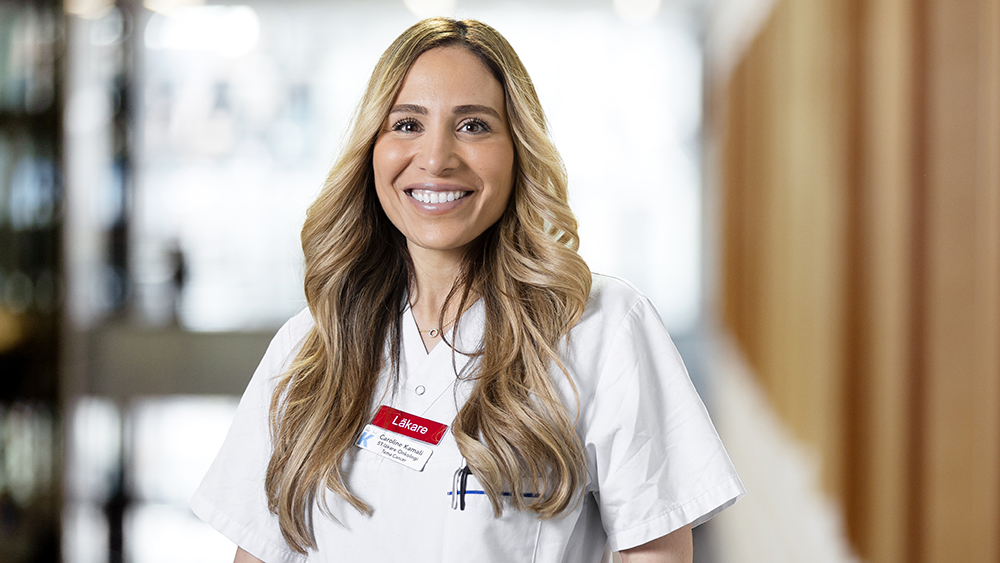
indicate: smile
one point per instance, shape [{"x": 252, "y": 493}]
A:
[{"x": 428, "y": 196}]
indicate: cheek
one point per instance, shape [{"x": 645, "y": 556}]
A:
[
  {"x": 379, "y": 163},
  {"x": 387, "y": 162},
  {"x": 493, "y": 163},
  {"x": 384, "y": 169},
  {"x": 502, "y": 172}
]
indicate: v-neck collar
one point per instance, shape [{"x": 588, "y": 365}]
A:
[
  {"x": 413, "y": 344},
  {"x": 466, "y": 335},
  {"x": 425, "y": 377}
]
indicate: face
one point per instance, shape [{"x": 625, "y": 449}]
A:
[{"x": 444, "y": 160}]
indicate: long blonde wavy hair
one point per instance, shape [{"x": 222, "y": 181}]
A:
[{"x": 514, "y": 430}]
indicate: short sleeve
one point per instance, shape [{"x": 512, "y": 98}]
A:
[
  {"x": 656, "y": 460},
  {"x": 231, "y": 496}
]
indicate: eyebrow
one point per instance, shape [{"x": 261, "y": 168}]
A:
[
  {"x": 470, "y": 109},
  {"x": 459, "y": 110},
  {"x": 409, "y": 108}
]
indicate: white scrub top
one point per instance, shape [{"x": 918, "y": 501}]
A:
[{"x": 654, "y": 460}]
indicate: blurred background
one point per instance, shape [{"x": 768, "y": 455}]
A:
[{"x": 808, "y": 190}]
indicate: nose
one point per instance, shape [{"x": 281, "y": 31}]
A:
[{"x": 436, "y": 151}]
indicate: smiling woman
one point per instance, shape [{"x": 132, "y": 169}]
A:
[
  {"x": 566, "y": 420},
  {"x": 444, "y": 161}
]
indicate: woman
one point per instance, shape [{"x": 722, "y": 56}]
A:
[{"x": 461, "y": 388}]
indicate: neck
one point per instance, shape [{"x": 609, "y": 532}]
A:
[{"x": 435, "y": 274}]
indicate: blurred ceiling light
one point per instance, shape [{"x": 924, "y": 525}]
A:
[
  {"x": 428, "y": 8},
  {"x": 637, "y": 11},
  {"x": 230, "y": 31},
  {"x": 88, "y": 9},
  {"x": 167, "y": 6}
]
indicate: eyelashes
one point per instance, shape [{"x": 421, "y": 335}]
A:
[
  {"x": 406, "y": 125},
  {"x": 479, "y": 126},
  {"x": 472, "y": 125}
]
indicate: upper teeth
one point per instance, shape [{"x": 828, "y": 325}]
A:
[{"x": 425, "y": 196}]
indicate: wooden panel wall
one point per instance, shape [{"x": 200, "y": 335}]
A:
[
  {"x": 787, "y": 153},
  {"x": 861, "y": 258},
  {"x": 961, "y": 410},
  {"x": 880, "y": 500}
]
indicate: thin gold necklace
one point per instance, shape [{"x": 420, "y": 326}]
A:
[{"x": 433, "y": 332}]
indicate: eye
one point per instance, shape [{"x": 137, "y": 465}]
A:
[
  {"x": 474, "y": 126},
  {"x": 406, "y": 125}
]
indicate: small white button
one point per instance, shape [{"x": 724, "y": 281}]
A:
[{"x": 420, "y": 390}]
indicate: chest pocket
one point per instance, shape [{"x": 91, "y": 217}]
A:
[{"x": 477, "y": 535}]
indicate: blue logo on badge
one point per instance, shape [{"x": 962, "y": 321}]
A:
[{"x": 363, "y": 440}]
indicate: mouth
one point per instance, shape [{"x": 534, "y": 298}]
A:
[{"x": 434, "y": 196}]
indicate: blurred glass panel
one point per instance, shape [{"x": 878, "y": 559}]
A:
[
  {"x": 29, "y": 509},
  {"x": 94, "y": 438},
  {"x": 31, "y": 50},
  {"x": 169, "y": 444},
  {"x": 28, "y": 39},
  {"x": 173, "y": 440},
  {"x": 85, "y": 534},
  {"x": 97, "y": 124},
  {"x": 92, "y": 477},
  {"x": 26, "y": 451},
  {"x": 158, "y": 533}
]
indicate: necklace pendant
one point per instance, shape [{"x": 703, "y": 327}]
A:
[{"x": 433, "y": 332}]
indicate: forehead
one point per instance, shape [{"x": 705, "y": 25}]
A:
[{"x": 450, "y": 75}]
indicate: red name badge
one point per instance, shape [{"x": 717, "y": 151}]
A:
[{"x": 409, "y": 425}]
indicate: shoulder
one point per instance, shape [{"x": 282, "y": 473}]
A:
[
  {"x": 300, "y": 324},
  {"x": 612, "y": 302},
  {"x": 284, "y": 345},
  {"x": 295, "y": 329},
  {"x": 608, "y": 290},
  {"x": 619, "y": 326}
]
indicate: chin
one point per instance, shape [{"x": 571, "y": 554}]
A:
[{"x": 437, "y": 244}]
